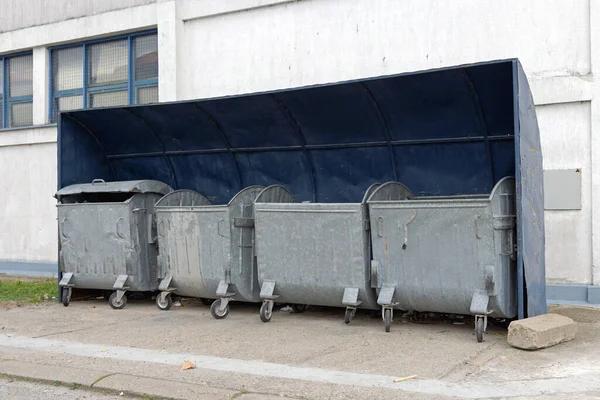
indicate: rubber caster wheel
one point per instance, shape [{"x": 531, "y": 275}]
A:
[
  {"x": 479, "y": 329},
  {"x": 206, "y": 302},
  {"x": 265, "y": 313},
  {"x": 215, "y": 312},
  {"x": 166, "y": 304},
  {"x": 298, "y": 308},
  {"x": 349, "y": 315},
  {"x": 66, "y": 299},
  {"x": 117, "y": 305},
  {"x": 387, "y": 319}
]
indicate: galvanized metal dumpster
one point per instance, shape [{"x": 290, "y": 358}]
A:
[
  {"x": 314, "y": 253},
  {"x": 451, "y": 254},
  {"x": 207, "y": 251},
  {"x": 107, "y": 237}
]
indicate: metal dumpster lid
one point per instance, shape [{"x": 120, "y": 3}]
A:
[{"x": 100, "y": 186}]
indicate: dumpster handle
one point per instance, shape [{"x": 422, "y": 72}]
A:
[
  {"x": 151, "y": 239},
  {"x": 513, "y": 249},
  {"x": 118, "y": 224},
  {"x": 160, "y": 228},
  {"x": 98, "y": 181},
  {"x": 511, "y": 246},
  {"x": 62, "y": 228},
  {"x": 477, "y": 227},
  {"x": 219, "y": 228},
  {"x": 380, "y": 226},
  {"x": 410, "y": 221}
]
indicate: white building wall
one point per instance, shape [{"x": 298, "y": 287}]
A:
[
  {"x": 595, "y": 140},
  {"x": 27, "y": 209},
  {"x": 28, "y": 13},
  {"x": 566, "y": 140},
  {"x": 214, "y": 47},
  {"x": 79, "y": 29},
  {"x": 317, "y": 41}
]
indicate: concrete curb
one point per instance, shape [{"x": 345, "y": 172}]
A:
[
  {"x": 116, "y": 383},
  {"x": 164, "y": 388}
]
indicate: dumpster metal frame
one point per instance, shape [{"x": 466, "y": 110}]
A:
[{"x": 130, "y": 242}]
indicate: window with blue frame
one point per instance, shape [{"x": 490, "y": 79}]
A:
[
  {"x": 16, "y": 91},
  {"x": 109, "y": 72}
]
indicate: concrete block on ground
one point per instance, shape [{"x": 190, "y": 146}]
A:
[
  {"x": 64, "y": 373},
  {"x": 541, "y": 331}
]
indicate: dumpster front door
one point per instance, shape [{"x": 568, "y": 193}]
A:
[{"x": 96, "y": 242}]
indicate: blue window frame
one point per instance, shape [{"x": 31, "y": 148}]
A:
[
  {"x": 108, "y": 72},
  {"x": 16, "y": 90}
]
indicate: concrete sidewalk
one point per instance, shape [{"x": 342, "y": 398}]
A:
[{"x": 312, "y": 355}]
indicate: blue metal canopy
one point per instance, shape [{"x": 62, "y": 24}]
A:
[{"x": 450, "y": 131}]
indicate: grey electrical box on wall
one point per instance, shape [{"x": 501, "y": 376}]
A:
[{"x": 562, "y": 189}]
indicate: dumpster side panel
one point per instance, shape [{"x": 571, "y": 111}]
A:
[
  {"x": 312, "y": 252},
  {"x": 95, "y": 243},
  {"x": 194, "y": 248},
  {"x": 434, "y": 252},
  {"x": 530, "y": 201}
]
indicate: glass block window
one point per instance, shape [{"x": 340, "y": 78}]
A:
[
  {"x": 16, "y": 91},
  {"x": 106, "y": 73}
]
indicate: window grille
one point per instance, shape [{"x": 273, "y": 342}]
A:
[
  {"x": 16, "y": 91},
  {"x": 105, "y": 73}
]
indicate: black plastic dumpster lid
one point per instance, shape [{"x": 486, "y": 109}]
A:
[{"x": 100, "y": 186}]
